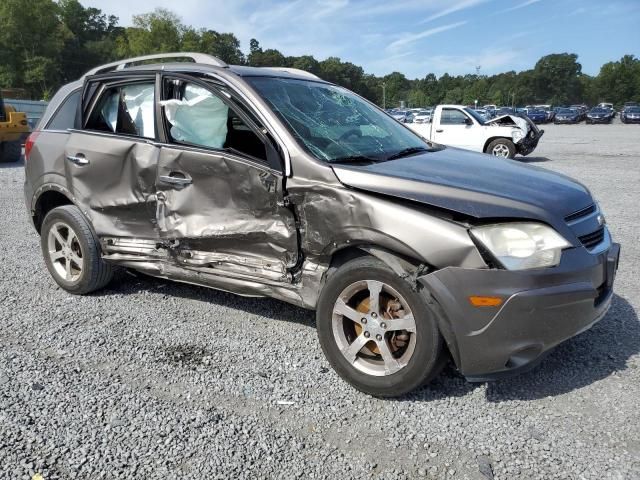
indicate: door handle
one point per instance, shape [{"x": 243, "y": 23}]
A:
[
  {"x": 175, "y": 179},
  {"x": 439, "y": 131},
  {"x": 79, "y": 159}
]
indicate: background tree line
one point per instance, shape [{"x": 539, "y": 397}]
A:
[{"x": 46, "y": 44}]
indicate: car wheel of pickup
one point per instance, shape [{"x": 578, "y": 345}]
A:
[
  {"x": 501, "y": 147},
  {"x": 72, "y": 252},
  {"x": 377, "y": 332},
  {"x": 10, "y": 152}
]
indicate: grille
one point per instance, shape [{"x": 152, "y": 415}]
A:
[
  {"x": 590, "y": 240},
  {"x": 580, "y": 213}
]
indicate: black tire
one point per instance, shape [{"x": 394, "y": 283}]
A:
[
  {"x": 505, "y": 142},
  {"x": 95, "y": 273},
  {"x": 428, "y": 356},
  {"x": 10, "y": 152}
]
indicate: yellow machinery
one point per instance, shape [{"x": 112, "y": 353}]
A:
[{"x": 13, "y": 130}]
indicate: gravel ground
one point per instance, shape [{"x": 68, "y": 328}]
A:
[{"x": 150, "y": 379}]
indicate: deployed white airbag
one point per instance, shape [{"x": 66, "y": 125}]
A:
[{"x": 199, "y": 118}]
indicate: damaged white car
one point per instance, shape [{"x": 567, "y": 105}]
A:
[{"x": 462, "y": 127}]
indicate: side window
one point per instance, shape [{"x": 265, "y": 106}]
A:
[
  {"x": 65, "y": 117},
  {"x": 125, "y": 109},
  {"x": 197, "y": 116},
  {"x": 452, "y": 116}
]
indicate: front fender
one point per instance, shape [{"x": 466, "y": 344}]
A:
[{"x": 334, "y": 217}]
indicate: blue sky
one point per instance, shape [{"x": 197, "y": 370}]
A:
[{"x": 418, "y": 36}]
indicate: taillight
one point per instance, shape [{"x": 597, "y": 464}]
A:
[{"x": 31, "y": 140}]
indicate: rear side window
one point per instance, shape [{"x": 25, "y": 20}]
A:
[
  {"x": 65, "y": 117},
  {"x": 125, "y": 109}
]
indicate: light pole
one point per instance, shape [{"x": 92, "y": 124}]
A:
[{"x": 384, "y": 95}]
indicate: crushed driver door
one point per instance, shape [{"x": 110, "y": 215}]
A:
[{"x": 219, "y": 187}]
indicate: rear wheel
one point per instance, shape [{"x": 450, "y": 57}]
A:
[
  {"x": 72, "y": 252},
  {"x": 376, "y": 331},
  {"x": 10, "y": 152},
  {"x": 501, "y": 147}
]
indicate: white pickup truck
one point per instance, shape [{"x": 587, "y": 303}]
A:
[{"x": 462, "y": 127}]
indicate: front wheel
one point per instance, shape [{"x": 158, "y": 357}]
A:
[
  {"x": 376, "y": 331},
  {"x": 501, "y": 147}
]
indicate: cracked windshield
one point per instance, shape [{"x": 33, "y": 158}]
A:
[{"x": 336, "y": 125}]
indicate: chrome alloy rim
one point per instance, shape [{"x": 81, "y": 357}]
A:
[
  {"x": 500, "y": 150},
  {"x": 374, "y": 328},
  {"x": 64, "y": 252}
]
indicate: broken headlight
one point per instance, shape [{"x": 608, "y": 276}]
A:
[{"x": 520, "y": 246}]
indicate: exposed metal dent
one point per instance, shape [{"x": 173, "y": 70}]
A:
[
  {"x": 304, "y": 293},
  {"x": 404, "y": 268},
  {"x": 333, "y": 217},
  {"x": 232, "y": 213},
  {"x": 142, "y": 249},
  {"x": 503, "y": 120}
]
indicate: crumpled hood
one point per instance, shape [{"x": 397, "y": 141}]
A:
[
  {"x": 474, "y": 184},
  {"x": 519, "y": 121}
]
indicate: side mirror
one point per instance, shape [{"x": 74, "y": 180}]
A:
[{"x": 467, "y": 121}]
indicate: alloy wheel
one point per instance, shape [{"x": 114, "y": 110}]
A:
[
  {"x": 500, "y": 150},
  {"x": 65, "y": 252},
  {"x": 374, "y": 327}
]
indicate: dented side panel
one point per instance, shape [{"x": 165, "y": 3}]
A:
[
  {"x": 115, "y": 189},
  {"x": 230, "y": 215},
  {"x": 333, "y": 217}
]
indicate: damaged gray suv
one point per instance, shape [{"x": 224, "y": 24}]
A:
[{"x": 273, "y": 182}]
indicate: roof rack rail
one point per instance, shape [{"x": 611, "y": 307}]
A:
[
  {"x": 129, "y": 62},
  {"x": 295, "y": 70}
]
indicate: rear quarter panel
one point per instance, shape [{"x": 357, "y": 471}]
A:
[{"x": 45, "y": 168}]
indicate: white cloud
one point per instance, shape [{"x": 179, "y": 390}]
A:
[
  {"x": 406, "y": 39},
  {"x": 456, "y": 7},
  {"x": 519, "y": 6}
]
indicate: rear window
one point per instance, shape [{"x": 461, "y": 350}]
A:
[
  {"x": 65, "y": 117},
  {"x": 126, "y": 110}
]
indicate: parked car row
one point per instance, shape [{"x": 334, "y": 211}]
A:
[
  {"x": 411, "y": 115},
  {"x": 602, "y": 113}
]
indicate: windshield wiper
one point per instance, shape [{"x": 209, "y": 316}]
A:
[
  {"x": 354, "y": 159},
  {"x": 407, "y": 151}
]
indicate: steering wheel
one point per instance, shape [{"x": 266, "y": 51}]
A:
[{"x": 351, "y": 132}]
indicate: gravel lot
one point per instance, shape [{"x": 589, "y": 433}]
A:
[{"x": 150, "y": 379}]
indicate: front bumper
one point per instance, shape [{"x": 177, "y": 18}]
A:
[
  {"x": 541, "y": 309},
  {"x": 558, "y": 121},
  {"x": 632, "y": 120},
  {"x": 599, "y": 119},
  {"x": 529, "y": 143}
]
